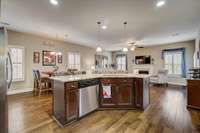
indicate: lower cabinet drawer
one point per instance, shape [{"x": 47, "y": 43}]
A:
[
  {"x": 106, "y": 81},
  {"x": 122, "y": 80}
]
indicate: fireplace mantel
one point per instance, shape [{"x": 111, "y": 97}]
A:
[{"x": 142, "y": 68}]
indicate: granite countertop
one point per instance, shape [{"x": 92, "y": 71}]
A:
[{"x": 92, "y": 76}]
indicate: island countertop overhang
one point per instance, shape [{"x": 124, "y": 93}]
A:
[{"x": 73, "y": 78}]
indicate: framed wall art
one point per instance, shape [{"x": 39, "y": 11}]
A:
[
  {"x": 36, "y": 57},
  {"x": 49, "y": 58}
]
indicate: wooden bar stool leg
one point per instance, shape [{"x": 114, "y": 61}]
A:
[
  {"x": 35, "y": 88},
  {"x": 40, "y": 88},
  {"x": 47, "y": 87}
]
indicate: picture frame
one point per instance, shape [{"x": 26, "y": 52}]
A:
[
  {"x": 36, "y": 57},
  {"x": 49, "y": 58},
  {"x": 59, "y": 58}
]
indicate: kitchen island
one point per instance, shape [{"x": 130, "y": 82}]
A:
[{"x": 76, "y": 96}]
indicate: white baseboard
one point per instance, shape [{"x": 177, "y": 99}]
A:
[
  {"x": 176, "y": 83},
  {"x": 17, "y": 91}
]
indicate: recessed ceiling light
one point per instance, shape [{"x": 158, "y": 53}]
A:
[
  {"x": 160, "y": 3},
  {"x": 104, "y": 27},
  {"x": 54, "y": 2}
]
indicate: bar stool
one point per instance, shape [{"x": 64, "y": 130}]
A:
[{"x": 41, "y": 84}]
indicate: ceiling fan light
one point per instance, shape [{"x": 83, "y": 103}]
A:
[
  {"x": 99, "y": 49},
  {"x": 132, "y": 49}
]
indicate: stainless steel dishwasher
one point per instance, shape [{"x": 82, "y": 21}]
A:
[{"x": 88, "y": 96}]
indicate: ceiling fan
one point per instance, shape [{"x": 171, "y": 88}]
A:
[{"x": 134, "y": 45}]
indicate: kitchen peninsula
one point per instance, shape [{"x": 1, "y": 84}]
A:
[{"x": 123, "y": 91}]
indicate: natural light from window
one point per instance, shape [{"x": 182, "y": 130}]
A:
[
  {"x": 121, "y": 62},
  {"x": 173, "y": 62},
  {"x": 74, "y": 60},
  {"x": 17, "y": 56}
]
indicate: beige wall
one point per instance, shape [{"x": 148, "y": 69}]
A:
[
  {"x": 33, "y": 43},
  {"x": 155, "y": 53}
]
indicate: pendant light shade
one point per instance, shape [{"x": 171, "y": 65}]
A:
[
  {"x": 125, "y": 49},
  {"x": 99, "y": 49}
]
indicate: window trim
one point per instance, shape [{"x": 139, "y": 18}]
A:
[
  {"x": 173, "y": 75},
  {"x": 23, "y": 62}
]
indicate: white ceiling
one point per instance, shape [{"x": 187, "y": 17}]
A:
[{"x": 77, "y": 19}]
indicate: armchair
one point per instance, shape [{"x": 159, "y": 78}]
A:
[{"x": 160, "y": 78}]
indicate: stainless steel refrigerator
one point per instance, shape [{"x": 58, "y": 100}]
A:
[{"x": 5, "y": 79}]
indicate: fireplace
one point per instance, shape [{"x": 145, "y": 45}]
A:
[
  {"x": 148, "y": 70},
  {"x": 143, "y": 72}
]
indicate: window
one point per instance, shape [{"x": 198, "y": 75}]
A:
[
  {"x": 173, "y": 62},
  {"x": 74, "y": 60},
  {"x": 105, "y": 62},
  {"x": 17, "y": 57},
  {"x": 121, "y": 62}
]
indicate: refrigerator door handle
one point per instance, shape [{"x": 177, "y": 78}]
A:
[{"x": 11, "y": 70}]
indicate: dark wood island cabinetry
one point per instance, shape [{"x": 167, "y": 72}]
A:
[
  {"x": 65, "y": 101},
  {"x": 126, "y": 93},
  {"x": 193, "y": 93},
  {"x": 121, "y": 93}
]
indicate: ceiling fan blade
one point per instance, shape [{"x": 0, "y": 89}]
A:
[{"x": 139, "y": 46}]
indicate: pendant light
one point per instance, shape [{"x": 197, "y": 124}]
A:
[
  {"x": 125, "y": 49},
  {"x": 133, "y": 48},
  {"x": 99, "y": 49}
]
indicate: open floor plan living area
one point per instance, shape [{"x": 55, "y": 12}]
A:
[{"x": 99, "y": 66}]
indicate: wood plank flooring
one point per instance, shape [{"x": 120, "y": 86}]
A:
[{"x": 166, "y": 114}]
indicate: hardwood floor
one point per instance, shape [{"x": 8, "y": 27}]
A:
[{"x": 166, "y": 114}]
